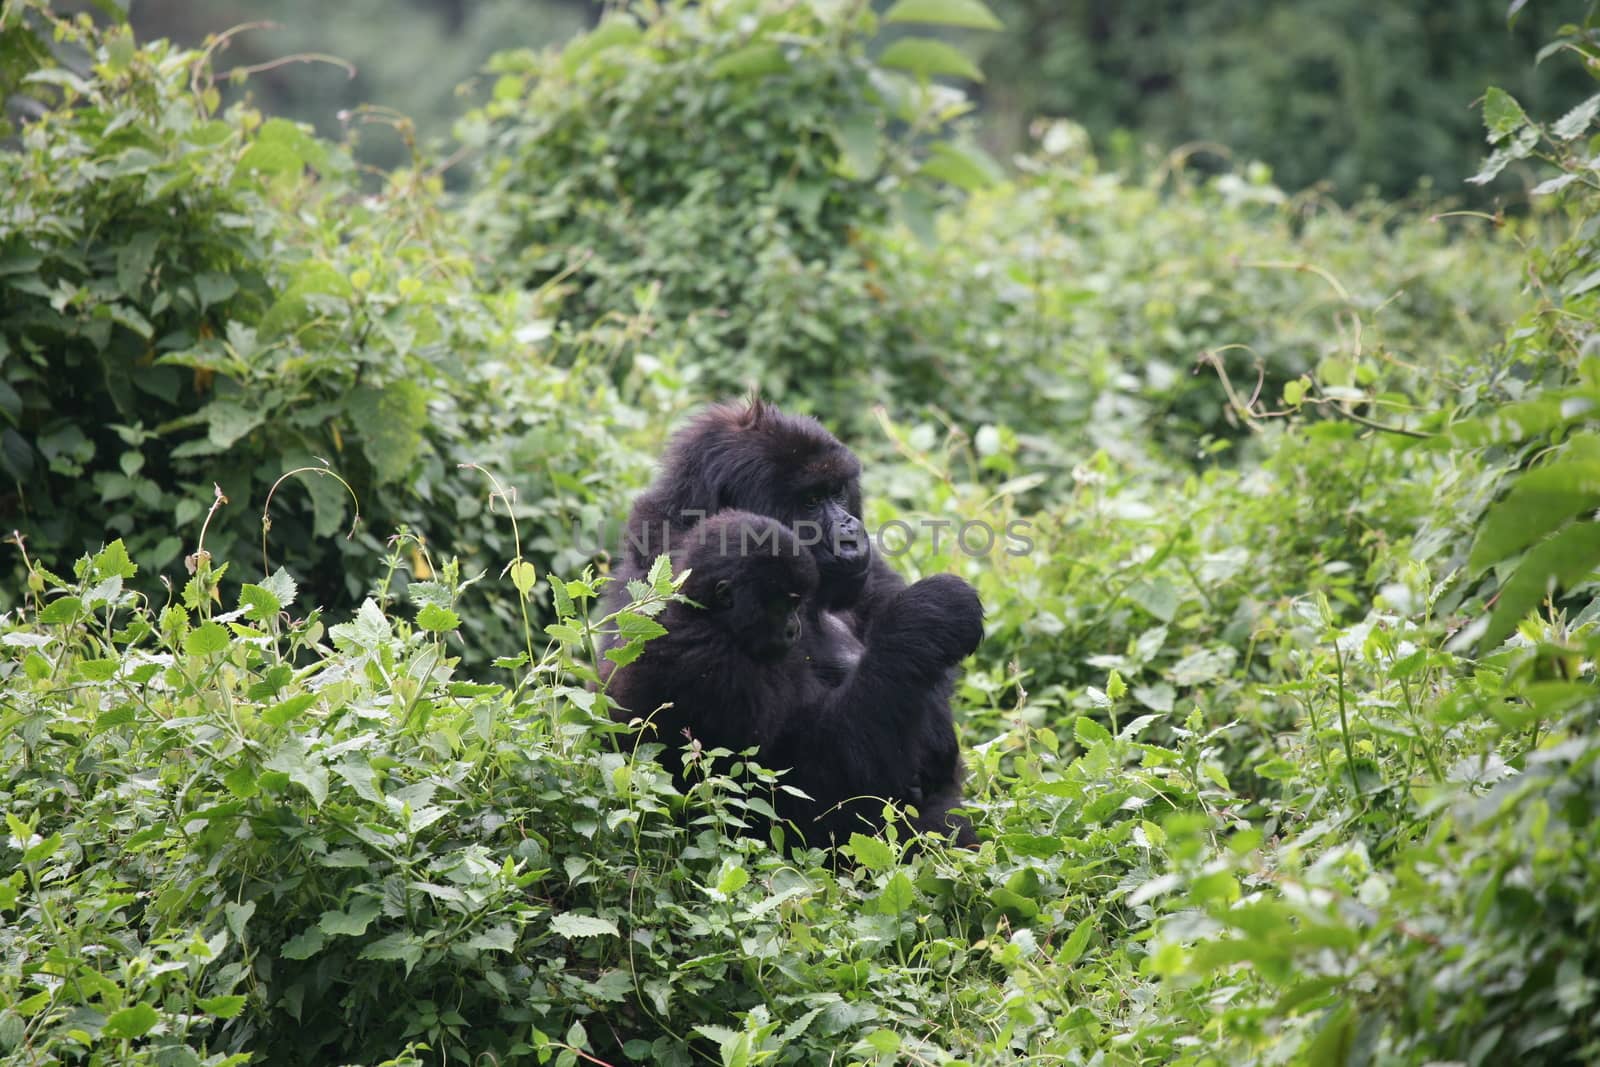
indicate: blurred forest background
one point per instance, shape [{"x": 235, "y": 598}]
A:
[{"x": 1354, "y": 96}]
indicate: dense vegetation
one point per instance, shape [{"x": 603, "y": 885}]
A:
[
  {"x": 1338, "y": 94},
  {"x": 1281, "y": 736}
]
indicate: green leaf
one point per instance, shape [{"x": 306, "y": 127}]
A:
[
  {"x": 1540, "y": 500},
  {"x": 258, "y": 603},
  {"x": 871, "y": 852},
  {"x": 860, "y": 146},
  {"x": 435, "y": 619},
  {"x": 615, "y": 31},
  {"x": 898, "y": 895},
  {"x": 1559, "y": 562},
  {"x": 352, "y": 922},
  {"x": 1090, "y": 733},
  {"x": 1502, "y": 115},
  {"x": 1076, "y": 942},
  {"x": 969, "y": 14},
  {"x": 885, "y": 1042},
  {"x": 1522, "y": 419},
  {"x": 632, "y": 626},
  {"x": 224, "y": 1007},
  {"x": 282, "y": 148},
  {"x": 1158, "y": 596},
  {"x": 288, "y": 710},
  {"x": 42, "y": 851},
  {"x": 401, "y": 946},
  {"x": 390, "y": 420},
  {"x": 571, "y": 924},
  {"x": 1335, "y": 1043},
  {"x": 131, "y": 1022},
  {"x": 98, "y": 670},
  {"x": 112, "y": 562},
  {"x": 304, "y": 945},
  {"x": 928, "y": 58},
  {"x": 752, "y": 61},
  {"x": 61, "y": 611},
  {"x": 206, "y": 639},
  {"x": 282, "y": 586},
  {"x": 523, "y": 576},
  {"x": 967, "y": 168}
]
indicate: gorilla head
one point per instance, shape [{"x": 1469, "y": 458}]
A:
[
  {"x": 752, "y": 579},
  {"x": 752, "y": 457}
]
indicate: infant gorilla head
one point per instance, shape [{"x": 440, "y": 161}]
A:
[
  {"x": 752, "y": 579},
  {"x": 755, "y": 458}
]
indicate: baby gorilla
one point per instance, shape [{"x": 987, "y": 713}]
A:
[{"x": 735, "y": 670}]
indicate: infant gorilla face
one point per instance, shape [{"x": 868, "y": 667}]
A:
[{"x": 753, "y": 578}]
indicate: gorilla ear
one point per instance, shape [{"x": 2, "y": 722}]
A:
[{"x": 723, "y": 594}]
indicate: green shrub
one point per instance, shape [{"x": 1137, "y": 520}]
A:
[
  {"x": 190, "y": 300},
  {"x": 716, "y": 167}
]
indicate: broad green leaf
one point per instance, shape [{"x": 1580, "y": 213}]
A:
[
  {"x": 571, "y": 924},
  {"x": 223, "y": 1007},
  {"x": 1540, "y": 500},
  {"x": 1521, "y": 419},
  {"x": 1558, "y": 562},
  {"x": 258, "y": 603},
  {"x": 1158, "y": 596},
  {"x": 871, "y": 852},
  {"x": 1076, "y": 942},
  {"x": 1335, "y": 1043},
  {"x": 401, "y": 946},
  {"x": 860, "y": 146},
  {"x": 42, "y": 851},
  {"x": 112, "y": 562},
  {"x": 206, "y": 639},
  {"x": 1090, "y": 733},
  {"x": 131, "y": 1022},
  {"x": 1502, "y": 115},
  {"x": 390, "y": 420},
  {"x": 288, "y": 710},
  {"x": 966, "y": 167},
  {"x": 928, "y": 58},
  {"x": 632, "y": 626},
  {"x": 752, "y": 61},
  {"x": 898, "y": 895},
  {"x": 304, "y": 945},
  {"x": 61, "y": 611},
  {"x": 435, "y": 619},
  {"x": 969, "y": 14},
  {"x": 614, "y": 31},
  {"x": 353, "y": 921}
]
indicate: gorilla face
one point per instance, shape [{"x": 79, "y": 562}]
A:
[
  {"x": 752, "y": 577},
  {"x": 755, "y": 458}
]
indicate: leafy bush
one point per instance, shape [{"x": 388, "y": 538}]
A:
[
  {"x": 715, "y": 167},
  {"x": 193, "y": 300},
  {"x": 1283, "y": 759}
]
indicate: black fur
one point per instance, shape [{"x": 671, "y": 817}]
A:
[
  {"x": 756, "y": 459},
  {"x": 737, "y": 672}
]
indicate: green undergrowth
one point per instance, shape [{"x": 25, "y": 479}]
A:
[{"x": 1280, "y": 740}]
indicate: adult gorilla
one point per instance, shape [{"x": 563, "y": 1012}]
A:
[{"x": 754, "y": 458}]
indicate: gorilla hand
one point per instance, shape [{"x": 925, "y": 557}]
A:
[{"x": 938, "y": 621}]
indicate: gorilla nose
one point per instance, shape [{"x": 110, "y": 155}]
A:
[
  {"x": 791, "y": 630},
  {"x": 849, "y": 542}
]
